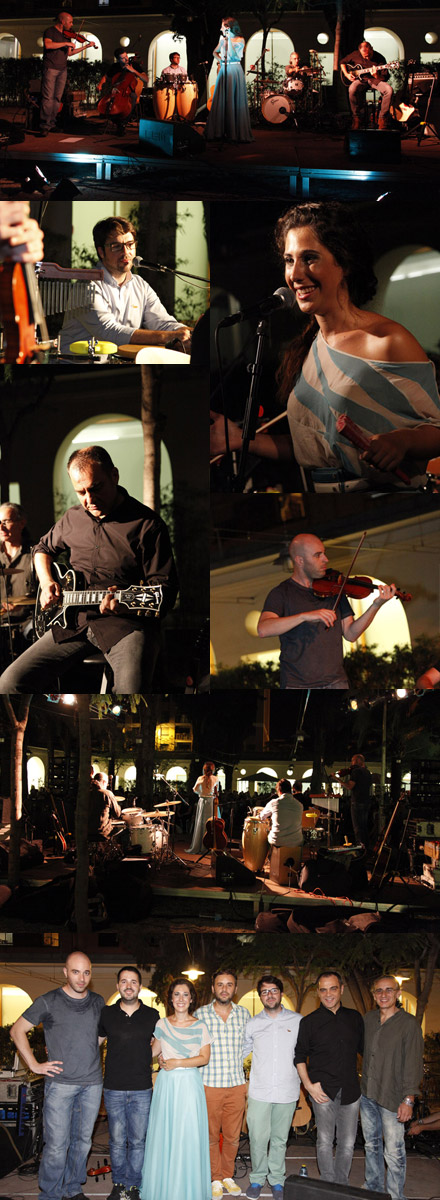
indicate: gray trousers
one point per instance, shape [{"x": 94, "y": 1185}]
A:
[
  {"x": 39, "y": 669},
  {"x": 52, "y": 88},
  {"x": 357, "y": 92},
  {"x": 342, "y": 1119}
]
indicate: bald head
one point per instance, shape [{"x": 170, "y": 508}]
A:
[
  {"x": 78, "y": 974},
  {"x": 309, "y": 558}
]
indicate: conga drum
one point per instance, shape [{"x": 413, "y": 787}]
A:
[
  {"x": 254, "y": 842},
  {"x": 164, "y": 102},
  {"x": 186, "y": 100}
]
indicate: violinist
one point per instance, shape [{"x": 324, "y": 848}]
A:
[
  {"x": 121, "y": 88},
  {"x": 125, "y": 308},
  {"x": 311, "y": 633},
  {"x": 58, "y": 47},
  {"x": 357, "y": 781}
]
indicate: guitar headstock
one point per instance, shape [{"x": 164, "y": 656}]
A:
[{"x": 143, "y": 598}]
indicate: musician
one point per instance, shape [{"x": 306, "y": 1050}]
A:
[
  {"x": 311, "y": 633},
  {"x": 125, "y": 309},
  {"x": 117, "y": 74},
  {"x": 358, "y": 783},
  {"x": 173, "y": 74},
  {"x": 103, "y": 807},
  {"x": 15, "y": 551},
  {"x": 114, "y": 541},
  {"x": 21, "y": 239},
  {"x": 363, "y": 57},
  {"x": 206, "y": 788},
  {"x": 58, "y": 47},
  {"x": 295, "y": 65},
  {"x": 286, "y": 813},
  {"x": 229, "y": 115}
]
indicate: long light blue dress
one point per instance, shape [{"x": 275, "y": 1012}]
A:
[
  {"x": 231, "y": 121},
  {"x": 205, "y": 791},
  {"x": 177, "y": 1163}
]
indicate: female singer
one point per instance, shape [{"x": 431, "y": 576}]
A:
[
  {"x": 346, "y": 359},
  {"x": 229, "y": 116},
  {"x": 206, "y": 788}
]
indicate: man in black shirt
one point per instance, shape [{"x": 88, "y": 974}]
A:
[
  {"x": 358, "y": 783},
  {"x": 363, "y": 58},
  {"x": 57, "y": 49},
  {"x": 309, "y": 628},
  {"x": 128, "y": 1026},
  {"x": 329, "y": 1041},
  {"x": 114, "y": 541}
]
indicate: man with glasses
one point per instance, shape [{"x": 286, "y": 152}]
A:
[
  {"x": 329, "y": 1042},
  {"x": 17, "y": 580},
  {"x": 273, "y": 1087},
  {"x": 392, "y": 1070},
  {"x": 125, "y": 308}
]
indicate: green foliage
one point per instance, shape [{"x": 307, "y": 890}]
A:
[
  {"x": 250, "y": 675},
  {"x": 7, "y": 1048},
  {"x": 16, "y": 73}
]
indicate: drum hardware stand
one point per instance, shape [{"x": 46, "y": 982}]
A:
[
  {"x": 419, "y": 131},
  {"x": 170, "y": 855},
  {"x": 390, "y": 875}
]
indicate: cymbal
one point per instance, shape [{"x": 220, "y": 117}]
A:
[
  {"x": 151, "y": 814},
  {"x": 167, "y": 803},
  {"x": 21, "y": 600}
]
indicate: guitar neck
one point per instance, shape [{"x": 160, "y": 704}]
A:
[{"x": 92, "y": 597}]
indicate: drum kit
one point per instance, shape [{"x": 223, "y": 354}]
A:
[
  {"x": 150, "y": 833},
  {"x": 297, "y": 97},
  {"x": 175, "y": 102}
]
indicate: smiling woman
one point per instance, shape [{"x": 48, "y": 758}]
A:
[{"x": 362, "y": 401}]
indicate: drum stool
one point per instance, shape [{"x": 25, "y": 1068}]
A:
[{"x": 279, "y": 872}]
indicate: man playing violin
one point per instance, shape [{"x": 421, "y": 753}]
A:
[
  {"x": 357, "y": 781},
  {"x": 58, "y": 47},
  {"x": 125, "y": 309},
  {"x": 114, "y": 541},
  {"x": 364, "y": 57},
  {"x": 311, "y": 634}
]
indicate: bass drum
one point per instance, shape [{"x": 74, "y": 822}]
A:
[
  {"x": 186, "y": 100},
  {"x": 254, "y": 842},
  {"x": 164, "y": 102},
  {"x": 142, "y": 835},
  {"x": 276, "y": 109}
]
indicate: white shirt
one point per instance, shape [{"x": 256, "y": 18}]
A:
[
  {"x": 116, "y": 312},
  {"x": 286, "y": 812},
  {"x": 274, "y": 1077}
]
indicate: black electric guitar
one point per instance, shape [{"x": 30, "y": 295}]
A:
[
  {"x": 140, "y": 598},
  {"x": 358, "y": 70}
]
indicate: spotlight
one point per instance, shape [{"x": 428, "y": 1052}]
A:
[
  {"x": 116, "y": 709},
  {"x": 65, "y": 190},
  {"x": 35, "y": 181}
]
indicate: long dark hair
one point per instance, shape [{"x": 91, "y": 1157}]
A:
[
  {"x": 339, "y": 231},
  {"x": 192, "y": 991}
]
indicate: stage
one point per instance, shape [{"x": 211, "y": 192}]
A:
[{"x": 280, "y": 162}]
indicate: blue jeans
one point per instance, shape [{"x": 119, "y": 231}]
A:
[
  {"x": 69, "y": 1115},
  {"x": 343, "y": 1119},
  {"x": 384, "y": 1138},
  {"x": 52, "y": 89},
  {"x": 128, "y": 1114}
]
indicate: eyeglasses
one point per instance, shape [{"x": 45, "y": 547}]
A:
[
  {"x": 269, "y": 992},
  {"x": 114, "y": 246}
]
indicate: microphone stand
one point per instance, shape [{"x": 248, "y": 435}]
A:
[
  {"x": 137, "y": 262},
  {"x": 171, "y": 852},
  {"x": 251, "y": 410},
  {"x": 225, "y": 90}
]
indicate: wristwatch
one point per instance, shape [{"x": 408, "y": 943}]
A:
[{"x": 408, "y": 1100}]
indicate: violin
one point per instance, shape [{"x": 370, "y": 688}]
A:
[
  {"x": 79, "y": 37},
  {"x": 356, "y": 586},
  {"x": 20, "y": 311}
]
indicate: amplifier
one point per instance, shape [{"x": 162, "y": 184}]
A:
[
  {"x": 428, "y": 828},
  {"x": 422, "y": 76},
  {"x": 298, "y": 1188},
  {"x": 10, "y": 1091}
]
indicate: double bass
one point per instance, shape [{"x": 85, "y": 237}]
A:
[{"x": 118, "y": 90}]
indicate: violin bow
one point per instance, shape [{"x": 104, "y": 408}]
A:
[{"x": 341, "y": 589}]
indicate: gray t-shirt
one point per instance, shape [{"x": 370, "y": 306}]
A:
[
  {"x": 71, "y": 1033},
  {"x": 311, "y": 654}
]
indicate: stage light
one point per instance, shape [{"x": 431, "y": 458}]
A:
[
  {"x": 116, "y": 709},
  {"x": 124, "y": 41},
  {"x": 322, "y": 38},
  {"x": 35, "y": 181},
  {"x": 431, "y": 38},
  {"x": 68, "y": 699},
  {"x": 353, "y": 705},
  {"x": 193, "y": 973},
  {"x": 401, "y": 693}
]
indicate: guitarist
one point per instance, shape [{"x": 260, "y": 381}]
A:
[
  {"x": 114, "y": 541},
  {"x": 366, "y": 57},
  {"x": 329, "y": 1042}
]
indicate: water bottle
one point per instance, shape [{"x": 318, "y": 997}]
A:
[{"x": 303, "y": 1171}]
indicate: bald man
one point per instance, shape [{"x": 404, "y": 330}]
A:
[
  {"x": 358, "y": 783},
  {"x": 311, "y": 632},
  {"x": 70, "y": 1018}
]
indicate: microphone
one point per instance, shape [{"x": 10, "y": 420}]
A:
[
  {"x": 138, "y": 261},
  {"x": 281, "y": 298}
]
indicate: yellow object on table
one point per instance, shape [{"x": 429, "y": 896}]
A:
[{"x": 82, "y": 348}]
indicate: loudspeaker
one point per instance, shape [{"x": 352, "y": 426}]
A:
[
  {"x": 229, "y": 873},
  {"x": 373, "y": 145},
  {"x": 11, "y": 1149},
  {"x": 171, "y": 137},
  {"x": 297, "y": 1187}
]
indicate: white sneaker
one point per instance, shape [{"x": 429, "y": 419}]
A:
[
  {"x": 216, "y": 1189},
  {"x": 231, "y": 1187}
]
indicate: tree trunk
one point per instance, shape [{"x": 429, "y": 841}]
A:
[
  {"x": 82, "y": 918},
  {"x": 18, "y": 727},
  {"x": 151, "y": 427},
  {"x": 424, "y": 993}
]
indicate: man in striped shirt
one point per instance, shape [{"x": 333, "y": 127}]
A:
[{"x": 223, "y": 1077}]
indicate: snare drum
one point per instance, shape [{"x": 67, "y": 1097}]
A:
[
  {"x": 142, "y": 835},
  {"x": 254, "y": 842},
  {"x": 186, "y": 100},
  {"x": 276, "y": 109},
  {"x": 164, "y": 102},
  {"x": 293, "y": 85},
  {"x": 134, "y": 817}
]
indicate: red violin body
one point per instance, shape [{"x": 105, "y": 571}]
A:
[
  {"x": 17, "y": 318},
  {"x": 356, "y": 586}
]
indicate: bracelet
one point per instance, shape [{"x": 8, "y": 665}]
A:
[{"x": 408, "y": 1100}]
